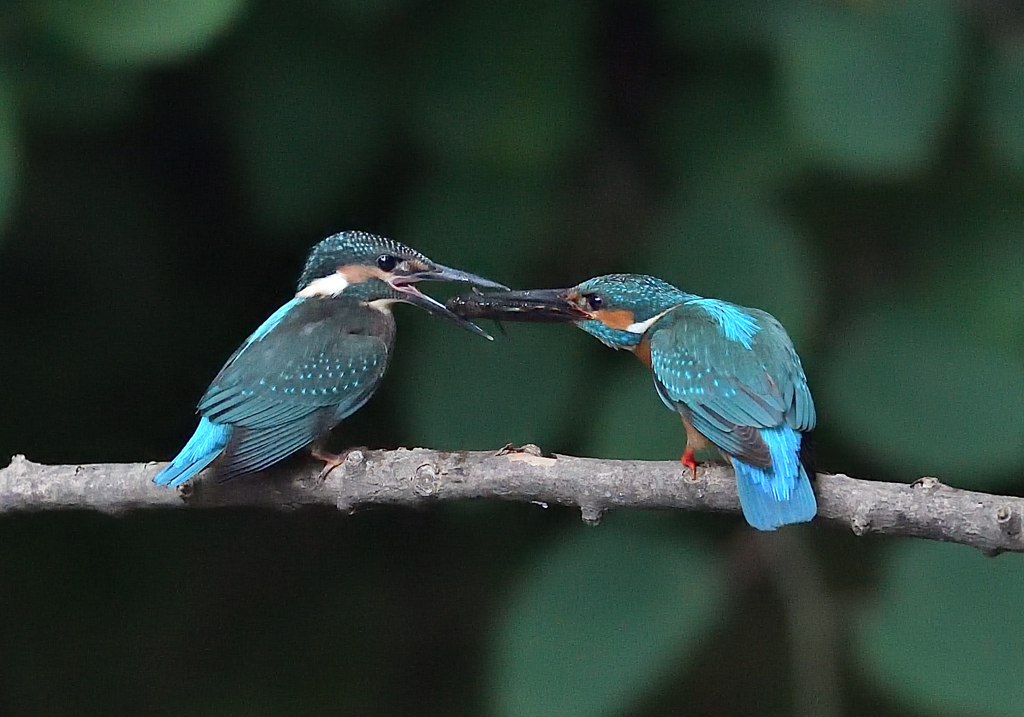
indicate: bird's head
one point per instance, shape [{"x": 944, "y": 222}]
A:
[
  {"x": 379, "y": 271},
  {"x": 618, "y": 309}
]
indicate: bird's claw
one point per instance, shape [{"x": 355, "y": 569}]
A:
[
  {"x": 688, "y": 461},
  {"x": 331, "y": 461}
]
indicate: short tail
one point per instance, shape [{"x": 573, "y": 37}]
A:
[
  {"x": 202, "y": 448},
  {"x": 781, "y": 494}
]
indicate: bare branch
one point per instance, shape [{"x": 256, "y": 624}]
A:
[{"x": 924, "y": 509}]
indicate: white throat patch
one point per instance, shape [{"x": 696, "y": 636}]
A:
[
  {"x": 640, "y": 327},
  {"x": 325, "y": 286}
]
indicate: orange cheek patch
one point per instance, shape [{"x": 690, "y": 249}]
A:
[
  {"x": 615, "y": 318},
  {"x": 358, "y": 273}
]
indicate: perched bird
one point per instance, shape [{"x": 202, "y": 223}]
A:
[
  {"x": 314, "y": 361},
  {"x": 730, "y": 372}
]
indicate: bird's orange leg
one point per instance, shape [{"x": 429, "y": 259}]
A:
[
  {"x": 688, "y": 461},
  {"x": 694, "y": 442},
  {"x": 331, "y": 461}
]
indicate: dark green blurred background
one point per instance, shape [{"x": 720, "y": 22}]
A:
[{"x": 856, "y": 168}]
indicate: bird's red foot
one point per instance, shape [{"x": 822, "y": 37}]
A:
[
  {"x": 688, "y": 461},
  {"x": 331, "y": 461}
]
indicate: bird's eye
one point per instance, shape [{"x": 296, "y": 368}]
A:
[
  {"x": 386, "y": 262},
  {"x": 594, "y": 301}
]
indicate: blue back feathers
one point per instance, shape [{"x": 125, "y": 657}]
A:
[
  {"x": 211, "y": 438},
  {"x": 736, "y": 324},
  {"x": 309, "y": 365},
  {"x": 272, "y": 321}
]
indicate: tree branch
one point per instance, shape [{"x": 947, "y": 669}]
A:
[{"x": 924, "y": 509}]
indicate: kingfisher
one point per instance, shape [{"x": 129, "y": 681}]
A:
[
  {"x": 315, "y": 361},
  {"x": 729, "y": 371}
]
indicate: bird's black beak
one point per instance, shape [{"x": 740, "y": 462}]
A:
[
  {"x": 405, "y": 284},
  {"x": 412, "y": 295},
  {"x": 539, "y": 305},
  {"x": 444, "y": 273}
]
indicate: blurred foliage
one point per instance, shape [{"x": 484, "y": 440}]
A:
[
  {"x": 725, "y": 131},
  {"x": 135, "y": 32},
  {"x": 1004, "y": 105},
  {"x": 896, "y": 397},
  {"x": 305, "y": 115},
  {"x": 630, "y": 401},
  {"x": 596, "y": 622},
  {"x": 65, "y": 92},
  {"x": 478, "y": 218},
  {"x": 493, "y": 411},
  {"x": 503, "y": 85},
  {"x": 853, "y": 167},
  {"x": 743, "y": 251},
  {"x": 869, "y": 87},
  {"x": 946, "y": 631},
  {"x": 8, "y": 151}
]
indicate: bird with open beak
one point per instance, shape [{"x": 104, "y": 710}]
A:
[{"x": 315, "y": 361}]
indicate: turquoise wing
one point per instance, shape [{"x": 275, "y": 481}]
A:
[
  {"x": 730, "y": 388},
  {"x": 290, "y": 384},
  {"x": 742, "y": 386}
]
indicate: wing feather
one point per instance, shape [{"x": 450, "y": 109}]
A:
[
  {"x": 284, "y": 388},
  {"x": 730, "y": 389}
]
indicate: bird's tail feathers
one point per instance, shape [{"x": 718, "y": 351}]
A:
[
  {"x": 781, "y": 494},
  {"x": 201, "y": 450}
]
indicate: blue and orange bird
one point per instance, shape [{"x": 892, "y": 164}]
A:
[
  {"x": 730, "y": 372},
  {"x": 315, "y": 361}
]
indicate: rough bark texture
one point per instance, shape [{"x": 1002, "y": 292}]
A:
[{"x": 924, "y": 509}]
